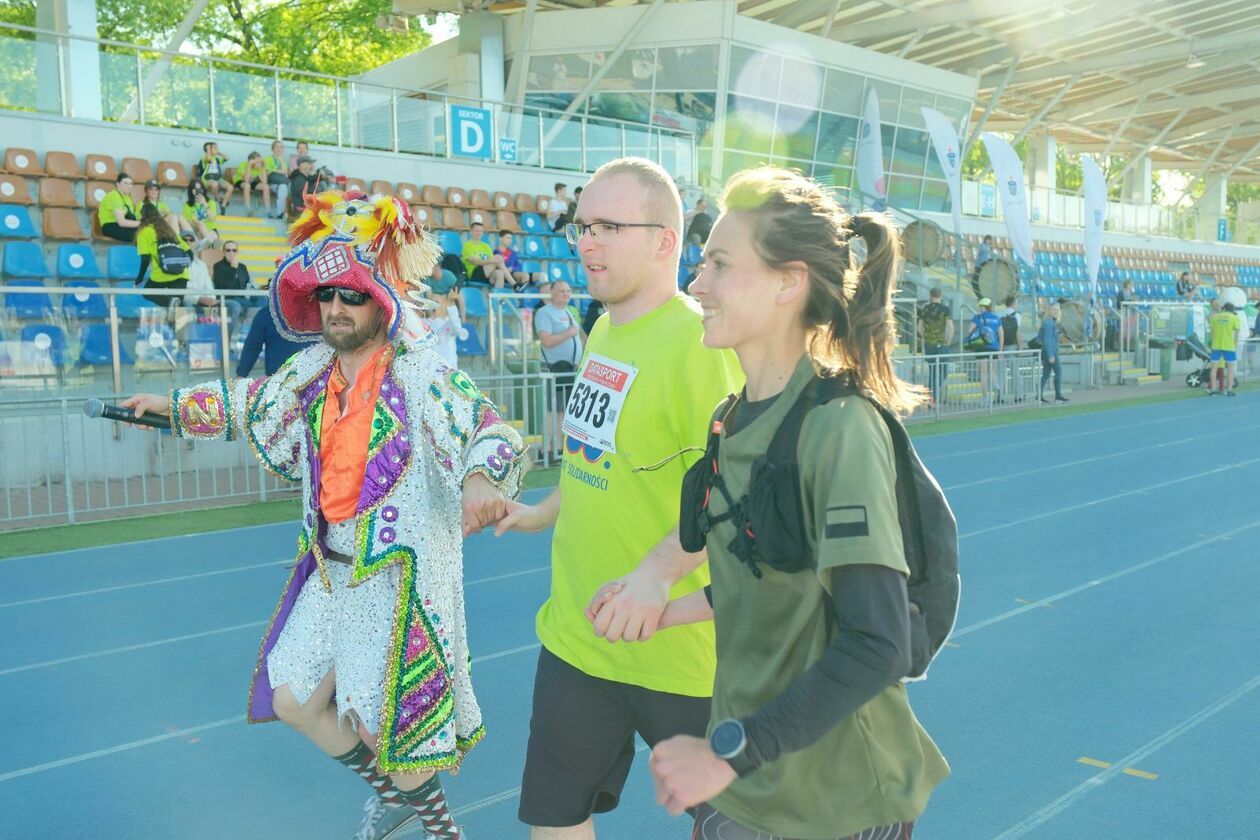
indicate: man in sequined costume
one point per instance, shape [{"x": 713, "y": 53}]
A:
[{"x": 399, "y": 457}]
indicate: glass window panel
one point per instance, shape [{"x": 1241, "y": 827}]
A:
[
  {"x": 843, "y": 92},
  {"x": 837, "y": 137},
  {"x": 563, "y": 149},
  {"x": 795, "y": 131},
  {"x": 631, "y": 107},
  {"x": 29, "y": 74},
  {"x": 801, "y": 83},
  {"x": 904, "y": 193},
  {"x": 685, "y": 111},
  {"x": 244, "y": 101},
  {"x": 181, "y": 98},
  {"x": 549, "y": 101},
  {"x": 567, "y": 71},
  {"x": 934, "y": 169},
  {"x": 308, "y": 109},
  {"x": 910, "y": 155},
  {"x": 687, "y": 68},
  {"x": 366, "y": 118},
  {"x": 633, "y": 70},
  {"x": 889, "y": 99},
  {"x": 638, "y": 142},
  {"x": 837, "y": 177},
  {"x": 912, "y": 102},
  {"x": 118, "y": 82},
  {"x": 603, "y": 143},
  {"x": 422, "y": 125},
  {"x": 754, "y": 73},
  {"x": 935, "y": 196},
  {"x": 523, "y": 125},
  {"x": 733, "y": 162},
  {"x": 955, "y": 110},
  {"x": 749, "y": 124}
]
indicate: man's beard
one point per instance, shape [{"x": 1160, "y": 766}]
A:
[{"x": 348, "y": 342}]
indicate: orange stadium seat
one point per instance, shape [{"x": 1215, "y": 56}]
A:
[
  {"x": 433, "y": 196},
  {"x": 382, "y": 188},
  {"x": 95, "y": 191},
  {"x": 424, "y": 215},
  {"x": 356, "y": 184},
  {"x": 453, "y": 219},
  {"x": 480, "y": 199},
  {"x": 524, "y": 203},
  {"x": 101, "y": 168},
  {"x": 13, "y": 190},
  {"x": 63, "y": 165},
  {"x": 542, "y": 203},
  {"x": 457, "y": 197},
  {"x": 21, "y": 162},
  {"x": 56, "y": 192},
  {"x": 139, "y": 169},
  {"x": 62, "y": 223},
  {"x": 171, "y": 173},
  {"x": 409, "y": 193},
  {"x": 480, "y": 217},
  {"x": 506, "y": 220},
  {"x": 502, "y": 201}
]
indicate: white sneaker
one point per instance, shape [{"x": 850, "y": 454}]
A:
[{"x": 381, "y": 821}]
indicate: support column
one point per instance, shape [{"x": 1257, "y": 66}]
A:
[
  {"x": 1211, "y": 209},
  {"x": 78, "y": 74},
  {"x": 1136, "y": 188},
  {"x": 481, "y": 34},
  {"x": 1039, "y": 166}
]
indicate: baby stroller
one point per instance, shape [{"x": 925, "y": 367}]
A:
[{"x": 1193, "y": 345}]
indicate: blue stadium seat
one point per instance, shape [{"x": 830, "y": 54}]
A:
[
  {"x": 98, "y": 349},
  {"x": 84, "y": 304},
  {"x": 558, "y": 249},
  {"x": 122, "y": 262},
  {"x": 534, "y": 248},
  {"x": 580, "y": 280},
  {"x": 474, "y": 302},
  {"x": 560, "y": 271},
  {"x": 24, "y": 259},
  {"x": 129, "y": 306},
  {"x": 44, "y": 341},
  {"x": 28, "y": 304},
  {"x": 533, "y": 223},
  {"x": 76, "y": 260},
  {"x": 471, "y": 346},
  {"x": 204, "y": 336},
  {"x": 451, "y": 242},
  {"x": 692, "y": 255},
  {"x": 15, "y": 223},
  {"x": 531, "y": 267}
]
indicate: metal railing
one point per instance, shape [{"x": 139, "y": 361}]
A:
[
  {"x": 1062, "y": 208},
  {"x": 965, "y": 383},
  {"x": 152, "y": 87}
]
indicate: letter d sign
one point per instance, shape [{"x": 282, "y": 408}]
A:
[{"x": 470, "y": 132}]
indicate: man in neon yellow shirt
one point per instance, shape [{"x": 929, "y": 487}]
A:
[
  {"x": 644, "y": 393},
  {"x": 1223, "y": 327},
  {"x": 277, "y": 170}
]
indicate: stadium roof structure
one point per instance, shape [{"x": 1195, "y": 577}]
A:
[{"x": 1176, "y": 80}]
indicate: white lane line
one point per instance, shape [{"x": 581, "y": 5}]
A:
[
  {"x": 1059, "y": 596},
  {"x": 1119, "y": 427},
  {"x": 507, "y": 794},
  {"x": 1067, "y": 800},
  {"x": 1215, "y": 435},
  {"x": 49, "y": 663},
  {"x": 1105, "y": 499},
  {"x": 139, "y": 584},
  {"x": 179, "y": 733}
]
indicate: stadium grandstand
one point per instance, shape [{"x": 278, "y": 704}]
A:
[{"x": 478, "y": 130}]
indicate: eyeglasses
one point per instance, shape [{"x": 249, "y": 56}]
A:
[
  {"x": 601, "y": 231},
  {"x": 350, "y": 297}
]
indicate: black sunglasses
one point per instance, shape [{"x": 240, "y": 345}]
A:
[{"x": 324, "y": 294}]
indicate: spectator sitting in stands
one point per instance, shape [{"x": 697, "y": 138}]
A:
[
  {"x": 210, "y": 172},
  {"x": 231, "y": 275},
  {"x": 200, "y": 285},
  {"x": 1186, "y": 285},
  {"x": 158, "y": 244},
  {"x": 153, "y": 195},
  {"x": 201, "y": 213},
  {"x": 699, "y": 224},
  {"x": 303, "y": 150},
  {"x": 252, "y": 175},
  {"x": 445, "y": 321},
  {"x": 305, "y": 181},
  {"x": 117, "y": 211},
  {"x": 512, "y": 262},
  {"x": 985, "y": 253},
  {"x": 442, "y": 277},
  {"x": 277, "y": 171},
  {"x": 265, "y": 337},
  {"x": 481, "y": 262},
  {"x": 558, "y": 210}
]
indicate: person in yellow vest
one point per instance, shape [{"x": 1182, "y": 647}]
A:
[
  {"x": 163, "y": 254},
  {"x": 202, "y": 212},
  {"x": 117, "y": 211},
  {"x": 252, "y": 175},
  {"x": 811, "y": 733},
  {"x": 277, "y": 169},
  {"x": 1224, "y": 327}
]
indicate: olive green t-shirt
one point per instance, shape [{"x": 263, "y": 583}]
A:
[{"x": 878, "y": 766}]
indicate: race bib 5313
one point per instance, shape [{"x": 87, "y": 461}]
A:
[{"x": 594, "y": 407}]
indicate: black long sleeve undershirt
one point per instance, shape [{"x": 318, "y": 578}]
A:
[{"x": 869, "y": 652}]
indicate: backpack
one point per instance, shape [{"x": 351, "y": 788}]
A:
[
  {"x": 981, "y": 337},
  {"x": 934, "y": 317},
  {"x": 455, "y": 265},
  {"x": 1010, "y": 330},
  {"x": 173, "y": 259},
  {"x": 773, "y": 510}
]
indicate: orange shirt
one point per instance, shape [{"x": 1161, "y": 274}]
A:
[{"x": 343, "y": 438}]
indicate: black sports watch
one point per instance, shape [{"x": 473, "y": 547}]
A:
[{"x": 729, "y": 742}]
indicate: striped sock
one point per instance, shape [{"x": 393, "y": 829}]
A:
[
  {"x": 435, "y": 816},
  {"x": 363, "y": 762}
]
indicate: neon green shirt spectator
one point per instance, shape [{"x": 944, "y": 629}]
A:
[
  {"x": 272, "y": 164},
  {"x": 1224, "y": 327},
  {"x": 115, "y": 200},
  {"x": 259, "y": 171},
  {"x": 611, "y": 516},
  {"x": 207, "y": 213},
  {"x": 478, "y": 248},
  {"x": 147, "y": 244}
]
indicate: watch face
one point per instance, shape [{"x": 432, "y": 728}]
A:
[{"x": 727, "y": 739}]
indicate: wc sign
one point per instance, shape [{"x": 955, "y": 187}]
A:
[{"x": 470, "y": 132}]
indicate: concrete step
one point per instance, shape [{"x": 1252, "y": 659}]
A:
[{"x": 1149, "y": 379}]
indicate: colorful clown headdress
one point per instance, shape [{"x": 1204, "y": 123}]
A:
[{"x": 371, "y": 245}]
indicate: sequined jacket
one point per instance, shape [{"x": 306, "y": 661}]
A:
[{"x": 431, "y": 429}]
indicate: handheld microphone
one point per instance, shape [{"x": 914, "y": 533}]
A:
[{"x": 96, "y": 408}]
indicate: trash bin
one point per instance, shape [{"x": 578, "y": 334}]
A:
[{"x": 1164, "y": 349}]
